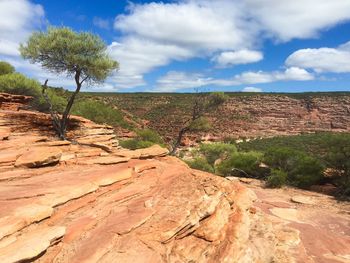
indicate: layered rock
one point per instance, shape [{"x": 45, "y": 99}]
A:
[
  {"x": 250, "y": 116},
  {"x": 80, "y": 202}
]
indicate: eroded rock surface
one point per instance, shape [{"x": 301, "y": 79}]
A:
[
  {"x": 322, "y": 223},
  {"x": 107, "y": 204}
]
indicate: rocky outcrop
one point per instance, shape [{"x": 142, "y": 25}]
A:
[
  {"x": 243, "y": 116},
  {"x": 78, "y": 202},
  {"x": 319, "y": 225},
  {"x": 13, "y": 102}
]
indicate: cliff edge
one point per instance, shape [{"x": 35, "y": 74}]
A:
[{"x": 91, "y": 201}]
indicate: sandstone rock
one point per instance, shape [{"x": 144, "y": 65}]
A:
[
  {"x": 302, "y": 199},
  {"x": 286, "y": 213},
  {"x": 152, "y": 208},
  {"x": 29, "y": 246},
  {"x": 150, "y": 152},
  {"x": 105, "y": 160},
  {"x": 38, "y": 157}
]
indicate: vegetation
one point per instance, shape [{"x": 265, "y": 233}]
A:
[
  {"x": 216, "y": 151},
  {"x": 302, "y": 170},
  {"x": 276, "y": 179},
  {"x": 6, "y": 68},
  {"x": 145, "y": 138},
  {"x": 202, "y": 104},
  {"x": 300, "y": 161},
  {"x": 244, "y": 164},
  {"x": 201, "y": 163},
  {"x": 81, "y": 56},
  {"x": 99, "y": 113},
  {"x": 17, "y": 83}
]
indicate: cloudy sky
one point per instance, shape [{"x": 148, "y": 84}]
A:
[{"x": 182, "y": 45}]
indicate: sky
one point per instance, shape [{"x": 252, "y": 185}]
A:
[{"x": 187, "y": 45}]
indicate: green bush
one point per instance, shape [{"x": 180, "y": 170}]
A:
[
  {"x": 200, "y": 124},
  {"x": 276, "y": 179},
  {"x": 145, "y": 138},
  {"x": 17, "y": 83},
  {"x": 241, "y": 164},
  {"x": 134, "y": 144},
  {"x": 338, "y": 158},
  {"x": 303, "y": 170},
  {"x": 150, "y": 136},
  {"x": 99, "y": 113},
  {"x": 215, "y": 151},
  {"x": 6, "y": 68},
  {"x": 200, "y": 164}
]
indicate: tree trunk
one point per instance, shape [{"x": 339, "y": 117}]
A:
[
  {"x": 65, "y": 115},
  {"x": 178, "y": 140}
]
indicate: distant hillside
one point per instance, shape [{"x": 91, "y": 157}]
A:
[{"x": 244, "y": 115}]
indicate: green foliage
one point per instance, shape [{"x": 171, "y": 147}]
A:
[
  {"x": 150, "y": 136},
  {"x": 134, "y": 144},
  {"x": 241, "y": 164},
  {"x": 61, "y": 50},
  {"x": 215, "y": 99},
  {"x": 145, "y": 138},
  {"x": 338, "y": 158},
  {"x": 6, "y": 68},
  {"x": 215, "y": 151},
  {"x": 276, "y": 179},
  {"x": 99, "y": 113},
  {"x": 303, "y": 170},
  {"x": 200, "y": 164},
  {"x": 200, "y": 124},
  {"x": 17, "y": 83}
]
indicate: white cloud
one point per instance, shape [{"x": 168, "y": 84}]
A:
[
  {"x": 322, "y": 59},
  {"x": 251, "y": 89},
  {"x": 18, "y": 19},
  {"x": 174, "y": 80},
  {"x": 101, "y": 23},
  {"x": 288, "y": 19},
  {"x": 201, "y": 28},
  {"x": 197, "y": 25},
  {"x": 244, "y": 56},
  {"x": 156, "y": 34}
]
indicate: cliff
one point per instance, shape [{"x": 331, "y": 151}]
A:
[
  {"x": 89, "y": 200},
  {"x": 243, "y": 116}
]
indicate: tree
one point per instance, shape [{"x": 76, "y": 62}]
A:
[
  {"x": 81, "y": 56},
  {"x": 6, "y": 68},
  {"x": 202, "y": 104}
]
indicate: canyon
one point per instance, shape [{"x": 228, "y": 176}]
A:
[
  {"x": 89, "y": 200},
  {"x": 241, "y": 116}
]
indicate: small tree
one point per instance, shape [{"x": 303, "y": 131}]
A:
[
  {"x": 81, "y": 56},
  {"x": 202, "y": 104}
]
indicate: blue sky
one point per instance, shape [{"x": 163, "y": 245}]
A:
[{"x": 179, "y": 46}]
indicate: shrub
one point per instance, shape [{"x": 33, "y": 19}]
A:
[
  {"x": 276, "y": 179},
  {"x": 17, "y": 83},
  {"x": 150, "y": 136},
  {"x": 99, "y": 113},
  {"x": 200, "y": 124},
  {"x": 200, "y": 164},
  {"x": 6, "y": 68},
  {"x": 338, "y": 158},
  {"x": 303, "y": 170},
  {"x": 215, "y": 151},
  {"x": 145, "y": 138},
  {"x": 241, "y": 164},
  {"x": 134, "y": 144}
]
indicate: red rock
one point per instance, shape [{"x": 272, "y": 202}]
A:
[{"x": 40, "y": 156}]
